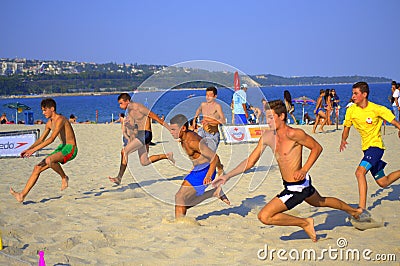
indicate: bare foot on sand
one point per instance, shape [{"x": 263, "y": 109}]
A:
[
  {"x": 116, "y": 180},
  {"x": 221, "y": 195},
  {"x": 17, "y": 196},
  {"x": 310, "y": 230},
  {"x": 64, "y": 182},
  {"x": 170, "y": 157}
]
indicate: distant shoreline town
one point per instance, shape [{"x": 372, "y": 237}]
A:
[{"x": 35, "y": 78}]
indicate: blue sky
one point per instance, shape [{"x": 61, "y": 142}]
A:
[{"x": 286, "y": 38}]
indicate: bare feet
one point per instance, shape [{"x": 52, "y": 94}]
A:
[
  {"x": 170, "y": 157},
  {"x": 64, "y": 182},
  {"x": 116, "y": 180},
  {"x": 310, "y": 230},
  {"x": 17, "y": 196},
  {"x": 221, "y": 195}
]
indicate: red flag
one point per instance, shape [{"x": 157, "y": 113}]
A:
[{"x": 236, "y": 81}]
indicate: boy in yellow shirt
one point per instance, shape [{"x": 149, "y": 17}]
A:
[{"x": 367, "y": 118}]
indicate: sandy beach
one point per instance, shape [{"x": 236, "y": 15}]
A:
[{"x": 94, "y": 222}]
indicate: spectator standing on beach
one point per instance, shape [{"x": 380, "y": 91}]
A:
[
  {"x": 239, "y": 100},
  {"x": 205, "y": 161},
  {"x": 319, "y": 112},
  {"x": 137, "y": 135},
  {"x": 60, "y": 127},
  {"x": 328, "y": 106},
  {"x": 262, "y": 118},
  {"x": 289, "y": 105},
  {"x": 287, "y": 145},
  {"x": 395, "y": 99},
  {"x": 335, "y": 104},
  {"x": 367, "y": 118},
  {"x": 3, "y": 119}
]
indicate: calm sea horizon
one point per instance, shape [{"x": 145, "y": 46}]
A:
[{"x": 186, "y": 101}]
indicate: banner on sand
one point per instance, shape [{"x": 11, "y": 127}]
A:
[
  {"x": 241, "y": 134},
  {"x": 12, "y": 143}
]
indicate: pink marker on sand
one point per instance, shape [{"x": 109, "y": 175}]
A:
[{"x": 41, "y": 258}]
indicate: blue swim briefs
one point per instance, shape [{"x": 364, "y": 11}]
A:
[
  {"x": 196, "y": 177},
  {"x": 240, "y": 119},
  {"x": 372, "y": 162}
]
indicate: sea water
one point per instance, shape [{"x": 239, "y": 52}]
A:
[{"x": 103, "y": 108}]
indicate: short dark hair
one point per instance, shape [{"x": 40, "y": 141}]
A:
[
  {"x": 394, "y": 83},
  {"x": 124, "y": 96},
  {"x": 213, "y": 89},
  {"x": 278, "y": 106},
  {"x": 362, "y": 86},
  {"x": 48, "y": 103},
  {"x": 179, "y": 120}
]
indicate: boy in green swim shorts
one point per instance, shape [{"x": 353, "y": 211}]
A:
[{"x": 59, "y": 126}]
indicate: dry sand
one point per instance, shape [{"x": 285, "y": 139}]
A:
[{"x": 94, "y": 222}]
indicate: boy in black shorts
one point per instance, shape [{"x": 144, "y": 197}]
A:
[{"x": 287, "y": 144}]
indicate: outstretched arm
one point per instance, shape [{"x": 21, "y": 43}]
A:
[
  {"x": 27, "y": 152},
  {"x": 59, "y": 123},
  {"x": 153, "y": 116},
  {"x": 245, "y": 164},
  {"x": 343, "y": 142}
]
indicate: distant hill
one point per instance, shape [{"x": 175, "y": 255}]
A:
[
  {"x": 27, "y": 77},
  {"x": 271, "y": 80}
]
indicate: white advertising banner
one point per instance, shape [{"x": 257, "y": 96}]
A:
[
  {"x": 240, "y": 134},
  {"x": 13, "y": 143}
]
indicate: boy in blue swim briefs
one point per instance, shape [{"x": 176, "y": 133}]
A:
[
  {"x": 287, "y": 145},
  {"x": 59, "y": 126},
  {"x": 367, "y": 118},
  {"x": 192, "y": 190}
]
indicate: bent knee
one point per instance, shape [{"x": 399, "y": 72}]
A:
[
  {"x": 360, "y": 173},
  {"x": 180, "y": 198},
  {"x": 382, "y": 182},
  {"x": 264, "y": 217},
  {"x": 145, "y": 162}
]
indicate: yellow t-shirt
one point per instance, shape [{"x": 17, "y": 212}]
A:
[{"x": 368, "y": 122}]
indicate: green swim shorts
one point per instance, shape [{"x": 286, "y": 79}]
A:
[{"x": 68, "y": 150}]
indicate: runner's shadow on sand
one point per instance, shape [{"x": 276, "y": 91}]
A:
[
  {"x": 41, "y": 201},
  {"x": 130, "y": 186},
  {"x": 391, "y": 196},
  {"x": 243, "y": 209},
  {"x": 335, "y": 218}
]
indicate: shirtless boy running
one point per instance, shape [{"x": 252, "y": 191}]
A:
[
  {"x": 137, "y": 135},
  {"x": 212, "y": 117},
  {"x": 66, "y": 151},
  {"x": 287, "y": 144},
  {"x": 192, "y": 190}
]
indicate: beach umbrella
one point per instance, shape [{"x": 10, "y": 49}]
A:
[
  {"x": 303, "y": 100},
  {"x": 19, "y": 107}
]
